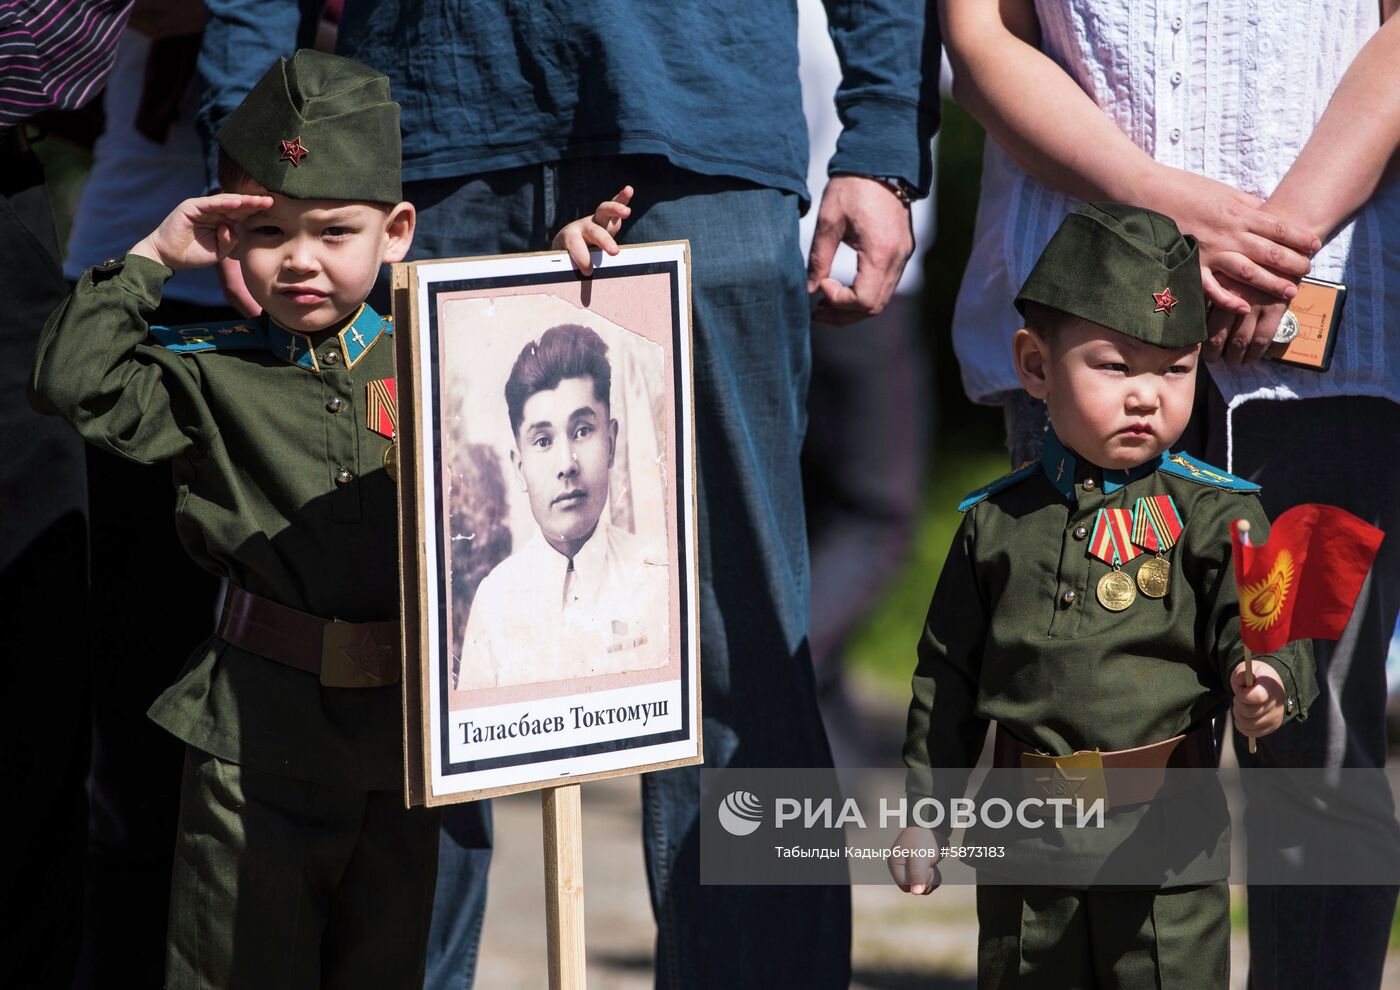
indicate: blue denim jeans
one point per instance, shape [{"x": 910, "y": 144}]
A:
[{"x": 751, "y": 324}]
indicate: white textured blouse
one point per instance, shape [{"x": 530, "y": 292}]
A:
[{"x": 1229, "y": 89}]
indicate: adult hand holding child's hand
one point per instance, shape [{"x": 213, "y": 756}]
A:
[
  {"x": 1239, "y": 238},
  {"x": 1258, "y": 710},
  {"x": 915, "y": 873},
  {"x": 199, "y": 231},
  {"x": 1243, "y": 338}
]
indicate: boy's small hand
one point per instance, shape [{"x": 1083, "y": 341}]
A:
[
  {"x": 199, "y": 231},
  {"x": 916, "y": 874},
  {"x": 597, "y": 231},
  {"x": 1258, "y": 710}
]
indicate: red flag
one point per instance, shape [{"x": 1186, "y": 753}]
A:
[{"x": 1304, "y": 582}]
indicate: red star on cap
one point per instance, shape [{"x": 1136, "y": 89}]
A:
[
  {"x": 1165, "y": 301},
  {"x": 294, "y": 151}
]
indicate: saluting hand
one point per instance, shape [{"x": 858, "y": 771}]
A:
[
  {"x": 597, "y": 231},
  {"x": 1258, "y": 710},
  {"x": 199, "y": 231},
  {"x": 913, "y": 862}
]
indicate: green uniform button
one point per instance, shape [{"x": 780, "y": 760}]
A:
[
  {"x": 1080, "y": 533},
  {"x": 1068, "y": 597},
  {"x": 1088, "y": 484},
  {"x": 335, "y": 404},
  {"x": 330, "y": 357},
  {"x": 343, "y": 477}
]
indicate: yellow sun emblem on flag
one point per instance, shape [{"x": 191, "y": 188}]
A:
[{"x": 1262, "y": 602}]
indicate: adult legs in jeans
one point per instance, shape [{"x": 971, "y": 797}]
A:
[
  {"x": 1345, "y": 452},
  {"x": 750, "y": 327},
  {"x": 870, "y": 407}
]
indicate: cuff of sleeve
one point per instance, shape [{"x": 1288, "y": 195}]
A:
[
  {"x": 885, "y": 137},
  {"x": 1296, "y": 706},
  {"x": 138, "y": 275}
]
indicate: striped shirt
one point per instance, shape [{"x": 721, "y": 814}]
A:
[{"x": 54, "y": 54}]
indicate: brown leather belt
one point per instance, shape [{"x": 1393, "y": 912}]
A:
[
  {"x": 1079, "y": 775},
  {"x": 341, "y": 654}
]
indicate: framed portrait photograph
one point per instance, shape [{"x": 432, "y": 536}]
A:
[{"x": 546, "y": 468}]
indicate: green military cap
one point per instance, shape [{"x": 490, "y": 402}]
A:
[
  {"x": 319, "y": 126},
  {"x": 1125, "y": 268}
]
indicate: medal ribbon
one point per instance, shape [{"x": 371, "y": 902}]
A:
[
  {"x": 382, "y": 407},
  {"x": 1156, "y": 523},
  {"x": 1112, "y": 541}
]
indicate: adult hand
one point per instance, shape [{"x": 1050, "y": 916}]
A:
[
  {"x": 1238, "y": 239},
  {"x": 1242, "y": 338},
  {"x": 867, "y": 215}
]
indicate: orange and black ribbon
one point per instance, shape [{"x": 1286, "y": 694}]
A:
[
  {"x": 1157, "y": 524},
  {"x": 382, "y": 407}
]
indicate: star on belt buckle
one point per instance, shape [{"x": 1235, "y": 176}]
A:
[
  {"x": 1078, "y": 777},
  {"x": 352, "y": 658}
]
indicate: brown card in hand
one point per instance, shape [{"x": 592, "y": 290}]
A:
[{"x": 1313, "y": 319}]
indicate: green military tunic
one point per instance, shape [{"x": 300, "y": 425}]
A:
[
  {"x": 1015, "y": 633},
  {"x": 282, "y": 490},
  {"x": 293, "y": 845}
]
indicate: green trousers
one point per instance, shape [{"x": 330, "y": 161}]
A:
[
  {"x": 1172, "y": 939},
  {"x": 284, "y": 884}
]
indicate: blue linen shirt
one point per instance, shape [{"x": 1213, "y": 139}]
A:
[{"x": 711, "y": 86}]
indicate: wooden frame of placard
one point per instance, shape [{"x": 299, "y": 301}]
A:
[{"x": 419, "y": 289}]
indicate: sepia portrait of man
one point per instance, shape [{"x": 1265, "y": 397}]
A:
[{"x": 580, "y": 597}]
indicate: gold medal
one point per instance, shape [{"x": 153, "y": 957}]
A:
[
  {"x": 1116, "y": 591},
  {"x": 1154, "y": 577},
  {"x": 391, "y": 462}
]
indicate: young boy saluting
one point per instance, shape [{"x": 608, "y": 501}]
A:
[
  {"x": 1087, "y": 603},
  {"x": 296, "y": 863}
]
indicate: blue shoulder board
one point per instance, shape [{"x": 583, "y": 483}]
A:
[
  {"x": 1005, "y": 481},
  {"x": 1186, "y": 466},
  {"x": 192, "y": 338}
]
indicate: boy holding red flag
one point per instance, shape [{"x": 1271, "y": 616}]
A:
[
  {"x": 1281, "y": 598},
  {"x": 1087, "y": 606}
]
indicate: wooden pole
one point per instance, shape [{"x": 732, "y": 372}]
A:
[
  {"x": 563, "y": 886},
  {"x": 1249, "y": 683},
  {"x": 1248, "y": 654}
]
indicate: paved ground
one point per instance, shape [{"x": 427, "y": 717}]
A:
[{"x": 900, "y": 942}]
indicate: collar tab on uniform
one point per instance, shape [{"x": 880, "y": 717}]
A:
[
  {"x": 289, "y": 345},
  {"x": 1061, "y": 466},
  {"x": 360, "y": 334}
]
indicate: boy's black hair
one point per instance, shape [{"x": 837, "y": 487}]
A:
[
  {"x": 1046, "y": 321},
  {"x": 232, "y": 175},
  {"x": 568, "y": 350}
]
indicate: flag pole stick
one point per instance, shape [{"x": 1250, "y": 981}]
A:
[{"x": 1243, "y": 526}]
